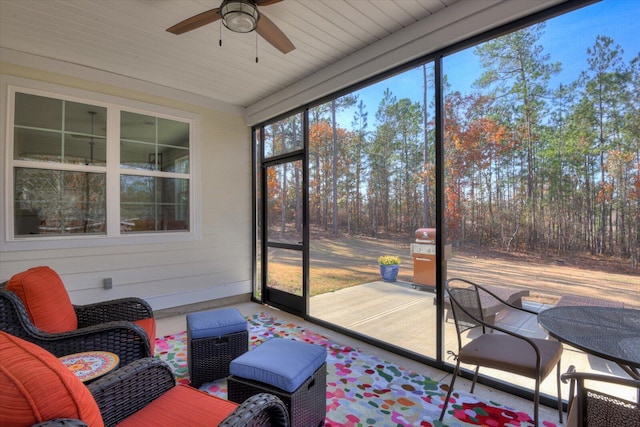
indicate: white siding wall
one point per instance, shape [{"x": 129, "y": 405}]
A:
[{"x": 168, "y": 274}]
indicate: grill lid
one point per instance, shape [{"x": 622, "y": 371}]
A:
[{"x": 425, "y": 235}]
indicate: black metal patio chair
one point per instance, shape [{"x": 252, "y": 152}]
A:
[
  {"x": 496, "y": 347},
  {"x": 590, "y": 406}
]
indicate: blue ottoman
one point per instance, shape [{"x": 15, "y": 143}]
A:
[
  {"x": 294, "y": 371},
  {"x": 214, "y": 339}
]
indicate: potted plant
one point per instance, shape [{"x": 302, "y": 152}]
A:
[{"x": 389, "y": 265}]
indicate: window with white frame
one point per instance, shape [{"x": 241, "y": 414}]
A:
[{"x": 80, "y": 167}]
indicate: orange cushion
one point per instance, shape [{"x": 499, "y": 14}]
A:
[
  {"x": 182, "y": 406},
  {"x": 45, "y": 298},
  {"x": 36, "y": 387},
  {"x": 149, "y": 326}
]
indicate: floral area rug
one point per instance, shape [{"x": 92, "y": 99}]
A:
[{"x": 363, "y": 390}]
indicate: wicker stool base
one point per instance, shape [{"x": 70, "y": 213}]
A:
[
  {"x": 209, "y": 358},
  {"x": 307, "y": 405}
]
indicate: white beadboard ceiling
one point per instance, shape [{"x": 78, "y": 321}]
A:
[{"x": 128, "y": 38}]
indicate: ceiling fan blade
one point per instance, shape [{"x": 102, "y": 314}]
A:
[
  {"x": 196, "y": 21},
  {"x": 271, "y": 33},
  {"x": 266, "y": 2}
]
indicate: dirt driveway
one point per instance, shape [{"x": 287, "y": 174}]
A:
[
  {"x": 548, "y": 282},
  {"x": 343, "y": 260}
]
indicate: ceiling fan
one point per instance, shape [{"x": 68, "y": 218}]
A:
[{"x": 240, "y": 16}]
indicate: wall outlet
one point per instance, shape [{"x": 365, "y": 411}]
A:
[{"x": 107, "y": 283}]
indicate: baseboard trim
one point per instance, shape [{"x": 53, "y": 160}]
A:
[{"x": 201, "y": 306}]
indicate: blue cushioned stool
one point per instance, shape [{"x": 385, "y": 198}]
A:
[
  {"x": 294, "y": 371},
  {"x": 214, "y": 339}
]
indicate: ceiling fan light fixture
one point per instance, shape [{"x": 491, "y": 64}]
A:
[{"x": 240, "y": 16}]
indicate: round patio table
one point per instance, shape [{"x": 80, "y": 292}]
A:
[{"x": 610, "y": 333}]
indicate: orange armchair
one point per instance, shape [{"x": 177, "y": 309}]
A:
[
  {"x": 37, "y": 389},
  {"x": 35, "y": 306}
]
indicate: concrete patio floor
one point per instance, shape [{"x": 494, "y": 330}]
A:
[{"x": 401, "y": 315}]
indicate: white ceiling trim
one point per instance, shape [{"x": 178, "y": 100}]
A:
[
  {"x": 428, "y": 35},
  {"x": 23, "y": 59}
]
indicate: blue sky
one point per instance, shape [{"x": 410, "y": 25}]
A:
[{"x": 566, "y": 39}]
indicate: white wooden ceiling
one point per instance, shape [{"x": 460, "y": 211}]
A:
[{"x": 128, "y": 38}]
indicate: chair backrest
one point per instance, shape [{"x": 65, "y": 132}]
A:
[
  {"x": 589, "y": 406},
  {"x": 465, "y": 305},
  {"x": 45, "y": 299},
  {"x": 36, "y": 387}
]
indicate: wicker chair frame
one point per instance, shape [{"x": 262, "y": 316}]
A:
[
  {"x": 129, "y": 389},
  {"x": 101, "y": 326}
]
